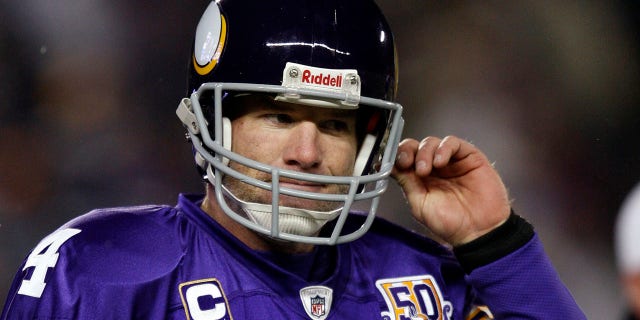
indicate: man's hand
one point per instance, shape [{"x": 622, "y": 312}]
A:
[{"x": 451, "y": 187}]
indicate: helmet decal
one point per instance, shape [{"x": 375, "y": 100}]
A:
[
  {"x": 299, "y": 76},
  {"x": 211, "y": 34}
]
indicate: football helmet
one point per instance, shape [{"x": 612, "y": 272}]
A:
[{"x": 320, "y": 54}]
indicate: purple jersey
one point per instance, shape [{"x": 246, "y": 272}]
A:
[{"x": 161, "y": 262}]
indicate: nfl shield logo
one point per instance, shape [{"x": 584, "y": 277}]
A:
[
  {"x": 317, "y": 306},
  {"x": 317, "y": 301}
]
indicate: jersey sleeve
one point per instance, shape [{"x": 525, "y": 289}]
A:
[{"x": 523, "y": 285}]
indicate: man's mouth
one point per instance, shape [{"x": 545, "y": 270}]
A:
[{"x": 301, "y": 185}]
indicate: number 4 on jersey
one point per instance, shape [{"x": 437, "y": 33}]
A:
[{"x": 44, "y": 256}]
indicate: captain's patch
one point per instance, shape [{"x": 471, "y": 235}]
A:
[{"x": 204, "y": 299}]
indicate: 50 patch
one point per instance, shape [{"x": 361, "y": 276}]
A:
[{"x": 414, "y": 297}]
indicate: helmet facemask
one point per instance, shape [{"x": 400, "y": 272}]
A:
[{"x": 213, "y": 151}]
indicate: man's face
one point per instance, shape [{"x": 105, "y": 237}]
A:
[{"x": 294, "y": 137}]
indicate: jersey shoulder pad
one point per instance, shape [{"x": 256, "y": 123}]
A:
[{"x": 124, "y": 245}]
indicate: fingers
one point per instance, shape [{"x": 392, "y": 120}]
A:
[
  {"x": 432, "y": 152},
  {"x": 406, "y": 154}
]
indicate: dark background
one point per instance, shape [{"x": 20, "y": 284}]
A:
[{"x": 548, "y": 90}]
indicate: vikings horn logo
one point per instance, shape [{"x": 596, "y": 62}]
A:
[{"x": 211, "y": 35}]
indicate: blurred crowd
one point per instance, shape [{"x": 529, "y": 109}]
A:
[{"x": 549, "y": 90}]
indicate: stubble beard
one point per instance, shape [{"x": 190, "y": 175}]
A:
[{"x": 249, "y": 193}]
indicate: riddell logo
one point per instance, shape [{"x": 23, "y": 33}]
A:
[{"x": 321, "y": 79}]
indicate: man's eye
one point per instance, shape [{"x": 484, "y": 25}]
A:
[
  {"x": 335, "y": 126},
  {"x": 281, "y": 118}
]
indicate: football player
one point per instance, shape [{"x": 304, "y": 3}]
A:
[{"x": 293, "y": 126}]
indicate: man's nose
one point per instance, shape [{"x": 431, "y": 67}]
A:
[{"x": 303, "y": 146}]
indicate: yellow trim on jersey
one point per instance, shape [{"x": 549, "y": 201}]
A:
[
  {"x": 204, "y": 70},
  {"x": 480, "y": 313}
]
